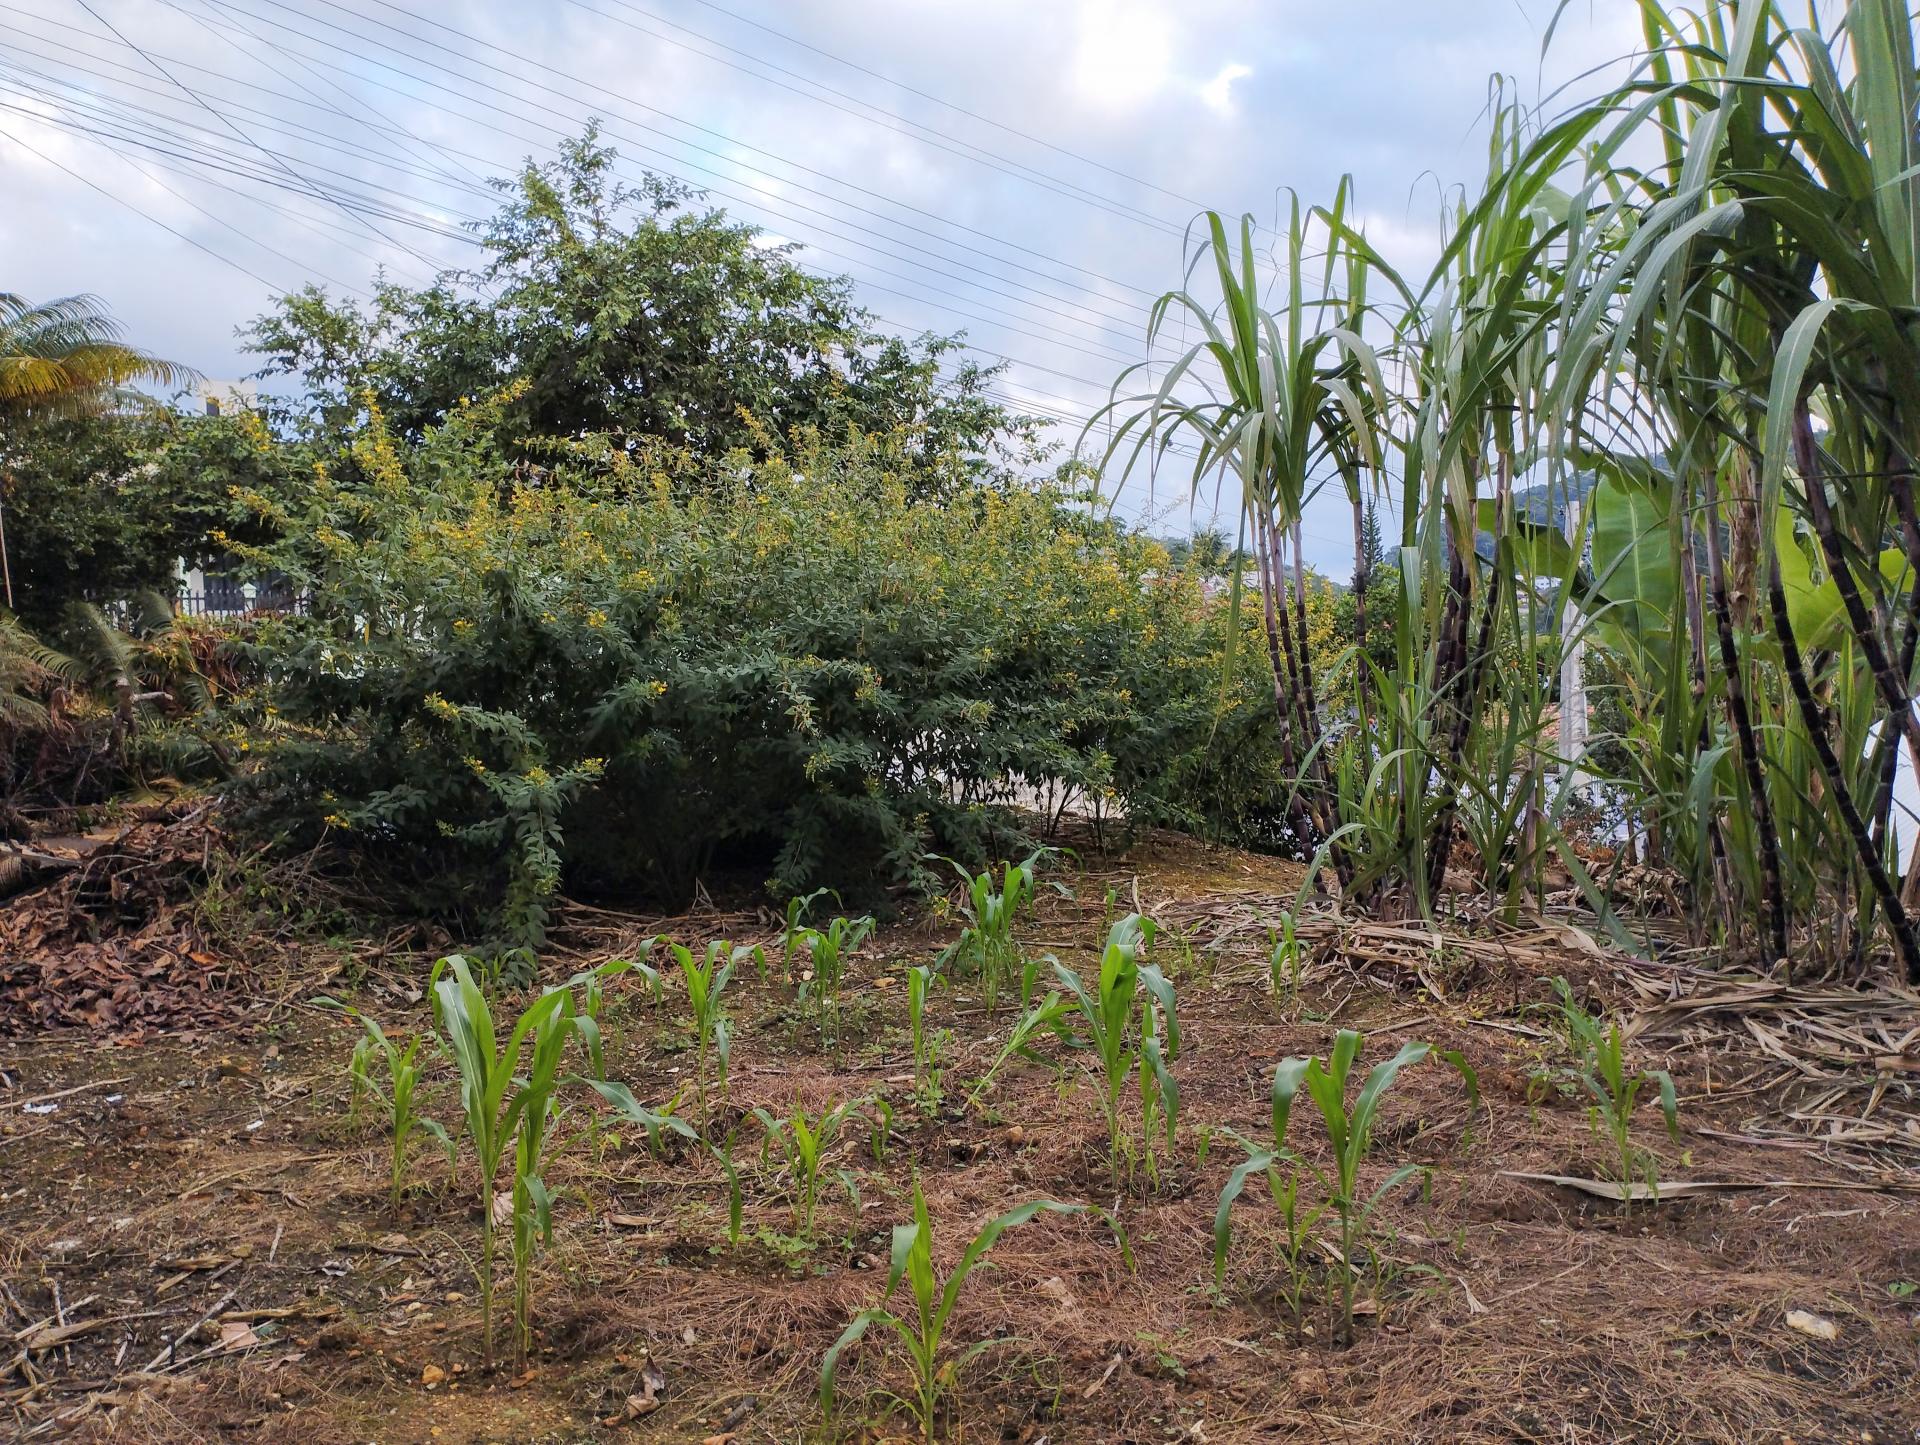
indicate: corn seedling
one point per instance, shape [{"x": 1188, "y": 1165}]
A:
[
  {"x": 491, "y": 1096},
  {"x": 1120, "y": 1021},
  {"x": 802, "y": 1144},
  {"x": 1284, "y": 959},
  {"x": 793, "y": 936},
  {"x": 1350, "y": 1132},
  {"x": 1048, "y": 1015},
  {"x": 1600, "y": 1067},
  {"x": 926, "y": 1046},
  {"x": 402, "y": 1069},
  {"x": 706, "y": 980},
  {"x": 923, "y": 1335},
  {"x": 736, "y": 1203},
  {"x": 827, "y": 951},
  {"x": 986, "y": 946}
]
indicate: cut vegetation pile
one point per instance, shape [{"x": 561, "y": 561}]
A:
[{"x": 105, "y": 937}]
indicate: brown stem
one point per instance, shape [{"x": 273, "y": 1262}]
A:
[
  {"x": 1897, "y": 920},
  {"x": 1747, "y": 743},
  {"x": 1893, "y": 691}
]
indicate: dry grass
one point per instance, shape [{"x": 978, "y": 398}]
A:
[{"x": 1503, "y": 1311}]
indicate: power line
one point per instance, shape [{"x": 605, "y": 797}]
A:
[
  {"x": 583, "y": 82},
  {"x": 758, "y": 192},
  {"x": 122, "y": 200},
  {"x": 186, "y": 90},
  {"x": 937, "y": 100},
  {"x": 1095, "y": 350},
  {"x": 882, "y": 117},
  {"x": 221, "y": 221}
]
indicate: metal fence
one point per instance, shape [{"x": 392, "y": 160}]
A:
[{"x": 234, "y": 602}]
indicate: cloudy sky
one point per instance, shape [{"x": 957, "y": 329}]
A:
[{"x": 1022, "y": 170}]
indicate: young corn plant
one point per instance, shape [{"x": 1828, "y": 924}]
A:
[
  {"x": 532, "y": 1116},
  {"x": 1600, "y": 1067},
  {"x": 1120, "y": 1019},
  {"x": 1350, "y": 1133},
  {"x": 1297, "y": 1224},
  {"x": 793, "y": 936},
  {"x": 1049, "y": 1015},
  {"x": 986, "y": 946},
  {"x": 927, "y": 1045},
  {"x": 706, "y": 980},
  {"x": 827, "y": 951},
  {"x": 803, "y": 1144},
  {"x": 1284, "y": 960},
  {"x": 495, "y": 1098},
  {"x": 402, "y": 1069},
  {"x": 924, "y": 1333}
]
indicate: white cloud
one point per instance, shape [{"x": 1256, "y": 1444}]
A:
[
  {"x": 1218, "y": 92},
  {"x": 1123, "y": 52}
]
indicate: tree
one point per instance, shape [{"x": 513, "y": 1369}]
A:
[
  {"x": 105, "y": 507},
  {"x": 631, "y": 312},
  {"x": 60, "y": 359}
]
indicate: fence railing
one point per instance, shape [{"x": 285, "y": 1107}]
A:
[{"x": 233, "y": 602}]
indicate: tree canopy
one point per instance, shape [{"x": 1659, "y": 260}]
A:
[{"x": 633, "y": 312}]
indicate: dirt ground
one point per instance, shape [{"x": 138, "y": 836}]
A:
[{"x": 196, "y": 1242}]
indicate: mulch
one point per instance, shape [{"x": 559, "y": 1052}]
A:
[{"x": 112, "y": 942}]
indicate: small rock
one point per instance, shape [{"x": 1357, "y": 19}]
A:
[{"x": 432, "y": 1375}]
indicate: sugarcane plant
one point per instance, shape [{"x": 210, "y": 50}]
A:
[
  {"x": 401, "y": 1068},
  {"x": 923, "y": 1334},
  {"x": 1599, "y": 1053},
  {"x": 1120, "y": 1019},
  {"x": 1350, "y": 1137}
]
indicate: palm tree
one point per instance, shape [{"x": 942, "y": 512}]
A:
[{"x": 65, "y": 358}]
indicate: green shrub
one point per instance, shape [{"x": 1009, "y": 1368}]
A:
[{"x": 783, "y": 665}]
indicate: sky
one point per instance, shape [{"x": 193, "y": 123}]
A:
[{"x": 1024, "y": 171}]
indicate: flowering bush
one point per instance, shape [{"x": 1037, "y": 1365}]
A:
[{"x": 620, "y": 673}]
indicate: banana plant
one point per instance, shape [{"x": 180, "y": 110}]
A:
[
  {"x": 924, "y": 1334},
  {"x": 1120, "y": 1018},
  {"x": 1350, "y": 1134}
]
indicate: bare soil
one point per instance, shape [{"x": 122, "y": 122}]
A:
[{"x": 196, "y": 1242}]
